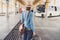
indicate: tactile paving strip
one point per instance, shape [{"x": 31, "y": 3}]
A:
[{"x": 13, "y": 35}]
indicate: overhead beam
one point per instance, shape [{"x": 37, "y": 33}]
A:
[
  {"x": 54, "y": 2},
  {"x": 47, "y": 4},
  {"x": 22, "y": 2},
  {"x": 35, "y": 2}
]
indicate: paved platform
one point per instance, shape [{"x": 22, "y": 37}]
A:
[
  {"x": 14, "y": 34},
  {"x": 6, "y": 25},
  {"x": 45, "y": 28},
  {"x": 48, "y": 28}
]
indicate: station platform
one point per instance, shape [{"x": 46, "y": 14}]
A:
[
  {"x": 7, "y": 24},
  {"x": 47, "y": 29},
  {"x": 47, "y": 26}
]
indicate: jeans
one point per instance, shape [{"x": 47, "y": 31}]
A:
[{"x": 27, "y": 35}]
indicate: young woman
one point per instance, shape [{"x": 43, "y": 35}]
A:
[{"x": 28, "y": 21}]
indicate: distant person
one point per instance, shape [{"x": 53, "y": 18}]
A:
[
  {"x": 55, "y": 8},
  {"x": 28, "y": 21},
  {"x": 20, "y": 10}
]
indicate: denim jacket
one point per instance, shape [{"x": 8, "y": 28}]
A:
[{"x": 28, "y": 22}]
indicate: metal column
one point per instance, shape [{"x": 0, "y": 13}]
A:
[{"x": 7, "y": 1}]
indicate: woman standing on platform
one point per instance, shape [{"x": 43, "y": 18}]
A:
[{"x": 28, "y": 21}]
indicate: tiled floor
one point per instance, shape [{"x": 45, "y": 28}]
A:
[
  {"x": 6, "y": 25},
  {"x": 46, "y": 29},
  {"x": 14, "y": 34}
]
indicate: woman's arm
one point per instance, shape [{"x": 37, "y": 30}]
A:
[
  {"x": 32, "y": 21},
  {"x": 22, "y": 17}
]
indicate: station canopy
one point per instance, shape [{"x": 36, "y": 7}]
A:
[{"x": 24, "y": 2}]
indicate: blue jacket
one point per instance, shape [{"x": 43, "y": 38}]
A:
[{"x": 28, "y": 22}]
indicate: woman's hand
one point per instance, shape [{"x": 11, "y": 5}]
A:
[{"x": 34, "y": 33}]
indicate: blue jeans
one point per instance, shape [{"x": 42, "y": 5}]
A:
[{"x": 27, "y": 35}]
